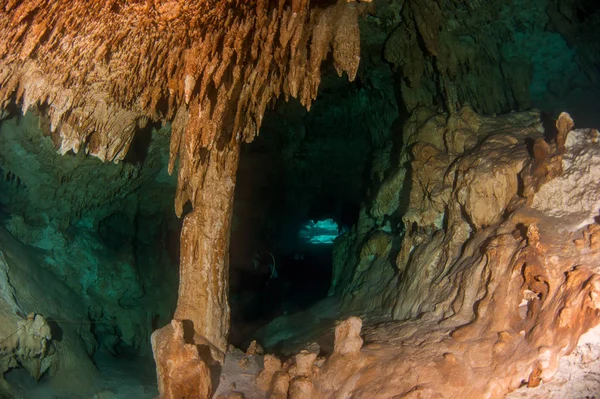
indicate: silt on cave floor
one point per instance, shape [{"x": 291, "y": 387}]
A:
[{"x": 427, "y": 138}]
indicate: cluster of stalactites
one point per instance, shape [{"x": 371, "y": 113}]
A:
[{"x": 209, "y": 67}]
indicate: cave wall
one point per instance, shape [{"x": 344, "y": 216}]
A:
[
  {"x": 495, "y": 276},
  {"x": 108, "y": 231},
  {"x": 45, "y": 324},
  {"x": 496, "y": 56},
  {"x": 212, "y": 75},
  {"x": 482, "y": 280}
]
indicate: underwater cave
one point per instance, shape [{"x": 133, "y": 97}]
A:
[
  {"x": 299, "y": 199},
  {"x": 300, "y": 185}
]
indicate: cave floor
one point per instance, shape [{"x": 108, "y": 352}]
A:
[
  {"x": 129, "y": 378},
  {"x": 290, "y": 333},
  {"x": 117, "y": 379}
]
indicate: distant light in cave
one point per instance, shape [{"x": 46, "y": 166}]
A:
[{"x": 319, "y": 232}]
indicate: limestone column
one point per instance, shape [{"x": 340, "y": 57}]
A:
[{"x": 204, "y": 264}]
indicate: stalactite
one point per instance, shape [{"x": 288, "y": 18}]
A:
[{"x": 209, "y": 67}]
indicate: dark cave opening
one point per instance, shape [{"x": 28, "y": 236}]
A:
[{"x": 291, "y": 179}]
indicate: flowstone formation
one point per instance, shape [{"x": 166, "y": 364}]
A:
[
  {"x": 483, "y": 267},
  {"x": 489, "y": 268}
]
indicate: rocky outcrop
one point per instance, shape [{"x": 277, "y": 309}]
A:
[
  {"x": 35, "y": 332},
  {"x": 496, "y": 271},
  {"x": 181, "y": 371},
  {"x": 28, "y": 346}
]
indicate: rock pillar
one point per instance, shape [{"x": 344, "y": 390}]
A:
[{"x": 204, "y": 265}]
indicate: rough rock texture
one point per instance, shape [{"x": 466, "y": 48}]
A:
[
  {"x": 266, "y": 50},
  {"x": 484, "y": 291},
  {"x": 495, "y": 56},
  {"x": 204, "y": 268},
  {"x": 34, "y": 333},
  {"x": 181, "y": 371},
  {"x": 573, "y": 199},
  {"x": 108, "y": 231},
  {"x": 577, "y": 375},
  {"x": 347, "y": 336},
  {"x": 488, "y": 287},
  {"x": 271, "y": 366},
  {"x": 28, "y": 346}
]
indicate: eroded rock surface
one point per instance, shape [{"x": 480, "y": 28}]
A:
[
  {"x": 34, "y": 333},
  {"x": 107, "y": 231},
  {"x": 181, "y": 371},
  {"x": 488, "y": 293}
]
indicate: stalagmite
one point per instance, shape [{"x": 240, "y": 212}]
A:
[{"x": 211, "y": 68}]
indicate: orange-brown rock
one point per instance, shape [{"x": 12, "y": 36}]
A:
[
  {"x": 493, "y": 288},
  {"x": 280, "y": 385},
  {"x": 347, "y": 337},
  {"x": 301, "y": 388},
  {"x": 180, "y": 370},
  {"x": 272, "y": 365},
  {"x": 303, "y": 365},
  {"x": 232, "y": 395},
  {"x": 254, "y": 349}
]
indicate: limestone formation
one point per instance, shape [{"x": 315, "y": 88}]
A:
[
  {"x": 210, "y": 68},
  {"x": 492, "y": 288},
  {"x": 347, "y": 336},
  {"x": 254, "y": 349},
  {"x": 572, "y": 198},
  {"x": 28, "y": 346},
  {"x": 72, "y": 205},
  {"x": 180, "y": 370},
  {"x": 491, "y": 56},
  {"x": 27, "y": 338},
  {"x": 280, "y": 385},
  {"x": 480, "y": 247},
  {"x": 232, "y": 395},
  {"x": 272, "y": 365},
  {"x": 492, "y": 297}
]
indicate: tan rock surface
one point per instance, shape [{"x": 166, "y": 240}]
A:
[
  {"x": 272, "y": 365},
  {"x": 493, "y": 295},
  {"x": 180, "y": 370},
  {"x": 572, "y": 199},
  {"x": 347, "y": 336},
  {"x": 281, "y": 385},
  {"x": 491, "y": 285}
]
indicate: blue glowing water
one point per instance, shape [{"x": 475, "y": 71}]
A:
[{"x": 319, "y": 232}]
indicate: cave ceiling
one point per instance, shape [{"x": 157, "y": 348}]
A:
[{"x": 210, "y": 68}]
